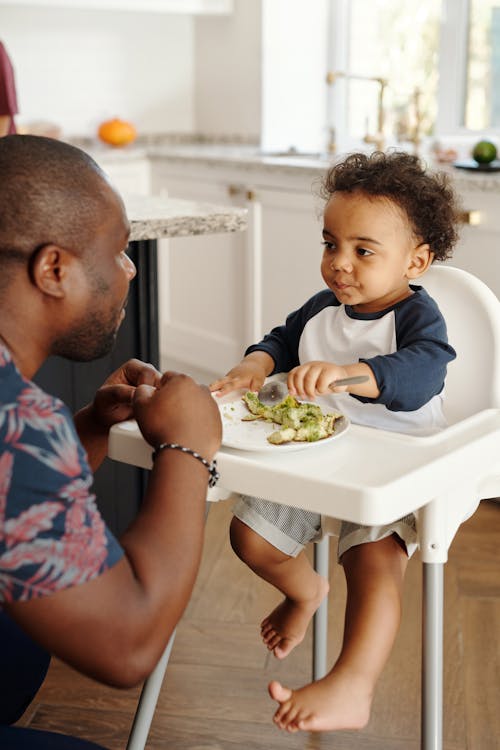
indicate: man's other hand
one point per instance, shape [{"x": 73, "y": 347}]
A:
[
  {"x": 113, "y": 401},
  {"x": 180, "y": 411}
]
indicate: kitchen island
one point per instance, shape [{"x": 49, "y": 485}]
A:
[
  {"x": 152, "y": 218},
  {"x": 155, "y": 217}
]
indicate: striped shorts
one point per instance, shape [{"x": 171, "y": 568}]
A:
[{"x": 291, "y": 529}]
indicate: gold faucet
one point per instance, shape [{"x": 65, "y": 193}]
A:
[
  {"x": 408, "y": 126},
  {"x": 378, "y": 138}
]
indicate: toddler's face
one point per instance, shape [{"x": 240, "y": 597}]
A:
[{"x": 370, "y": 251}]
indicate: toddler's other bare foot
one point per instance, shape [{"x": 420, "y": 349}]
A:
[
  {"x": 286, "y": 626},
  {"x": 338, "y": 701}
]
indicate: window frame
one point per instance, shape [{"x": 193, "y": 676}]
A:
[
  {"x": 452, "y": 68},
  {"x": 453, "y": 52}
]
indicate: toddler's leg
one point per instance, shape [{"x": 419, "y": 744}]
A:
[
  {"x": 342, "y": 699},
  {"x": 303, "y": 588}
]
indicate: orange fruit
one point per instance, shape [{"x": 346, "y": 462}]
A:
[
  {"x": 117, "y": 132},
  {"x": 484, "y": 152}
]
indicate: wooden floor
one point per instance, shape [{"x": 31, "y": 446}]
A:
[{"x": 214, "y": 696}]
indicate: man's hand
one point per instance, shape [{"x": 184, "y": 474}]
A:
[
  {"x": 113, "y": 401},
  {"x": 178, "y": 411},
  {"x": 112, "y": 404}
]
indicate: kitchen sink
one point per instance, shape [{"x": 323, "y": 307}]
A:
[{"x": 294, "y": 154}]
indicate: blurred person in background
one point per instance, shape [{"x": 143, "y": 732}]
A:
[{"x": 8, "y": 96}]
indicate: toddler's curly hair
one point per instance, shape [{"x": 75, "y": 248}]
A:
[{"x": 426, "y": 197}]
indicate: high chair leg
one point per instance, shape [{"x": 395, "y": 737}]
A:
[
  {"x": 432, "y": 657},
  {"x": 320, "y": 620},
  {"x": 148, "y": 700}
]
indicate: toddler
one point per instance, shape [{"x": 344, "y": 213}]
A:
[{"x": 386, "y": 220}]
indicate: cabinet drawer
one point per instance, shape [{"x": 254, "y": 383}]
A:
[{"x": 486, "y": 207}]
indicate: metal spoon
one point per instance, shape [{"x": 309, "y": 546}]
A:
[{"x": 275, "y": 391}]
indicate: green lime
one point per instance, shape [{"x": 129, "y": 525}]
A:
[{"x": 484, "y": 152}]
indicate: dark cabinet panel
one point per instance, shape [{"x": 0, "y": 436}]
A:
[{"x": 118, "y": 487}]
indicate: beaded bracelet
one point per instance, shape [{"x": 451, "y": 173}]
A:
[{"x": 212, "y": 467}]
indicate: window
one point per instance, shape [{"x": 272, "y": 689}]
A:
[
  {"x": 396, "y": 43},
  {"x": 440, "y": 60},
  {"x": 482, "y": 83}
]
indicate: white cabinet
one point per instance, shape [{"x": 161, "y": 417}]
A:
[
  {"x": 201, "y": 283},
  {"x": 291, "y": 251},
  {"x": 478, "y": 250},
  {"x": 219, "y": 293},
  {"x": 129, "y": 176},
  {"x": 153, "y": 6}
]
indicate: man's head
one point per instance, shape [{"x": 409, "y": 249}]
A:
[{"x": 63, "y": 235}]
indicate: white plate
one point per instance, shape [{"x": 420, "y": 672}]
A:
[{"x": 252, "y": 436}]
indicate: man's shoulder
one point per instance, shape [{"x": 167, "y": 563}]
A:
[
  {"x": 37, "y": 428},
  {"x": 19, "y": 392}
]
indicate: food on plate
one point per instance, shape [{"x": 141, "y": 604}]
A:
[{"x": 299, "y": 421}]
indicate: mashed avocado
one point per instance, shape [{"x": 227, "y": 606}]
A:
[{"x": 301, "y": 422}]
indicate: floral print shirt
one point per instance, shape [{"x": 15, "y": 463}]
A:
[{"x": 52, "y": 535}]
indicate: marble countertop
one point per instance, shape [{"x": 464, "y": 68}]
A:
[
  {"x": 154, "y": 217},
  {"x": 252, "y": 159},
  {"x": 475, "y": 181}
]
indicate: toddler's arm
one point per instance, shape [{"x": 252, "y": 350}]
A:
[{"x": 250, "y": 373}]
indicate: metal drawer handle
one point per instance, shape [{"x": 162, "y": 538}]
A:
[
  {"x": 471, "y": 217},
  {"x": 240, "y": 190}
]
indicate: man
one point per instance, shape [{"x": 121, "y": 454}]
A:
[
  {"x": 8, "y": 96},
  {"x": 67, "y": 587}
]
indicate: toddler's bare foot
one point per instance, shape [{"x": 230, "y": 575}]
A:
[
  {"x": 286, "y": 626},
  {"x": 338, "y": 701}
]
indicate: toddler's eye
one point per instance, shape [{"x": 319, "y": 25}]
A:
[
  {"x": 364, "y": 252},
  {"x": 328, "y": 245}
]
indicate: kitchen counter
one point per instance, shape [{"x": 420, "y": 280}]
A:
[
  {"x": 155, "y": 217},
  {"x": 251, "y": 159}
]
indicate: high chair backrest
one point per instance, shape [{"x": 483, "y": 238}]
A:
[{"x": 472, "y": 314}]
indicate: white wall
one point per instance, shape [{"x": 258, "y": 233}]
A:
[
  {"x": 294, "y": 63},
  {"x": 77, "y": 68},
  {"x": 228, "y": 71},
  {"x": 258, "y": 72}
]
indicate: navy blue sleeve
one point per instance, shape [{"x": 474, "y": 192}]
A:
[
  {"x": 282, "y": 343},
  {"x": 411, "y": 376}
]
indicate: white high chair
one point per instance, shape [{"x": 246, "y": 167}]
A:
[
  {"x": 442, "y": 478},
  {"x": 472, "y": 314}
]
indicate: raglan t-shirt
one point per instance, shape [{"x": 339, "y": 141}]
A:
[
  {"x": 52, "y": 535},
  {"x": 405, "y": 345}
]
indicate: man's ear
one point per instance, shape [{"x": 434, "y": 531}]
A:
[
  {"x": 420, "y": 261},
  {"x": 49, "y": 270}
]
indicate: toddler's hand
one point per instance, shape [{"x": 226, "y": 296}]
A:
[
  {"x": 313, "y": 378},
  {"x": 248, "y": 374}
]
